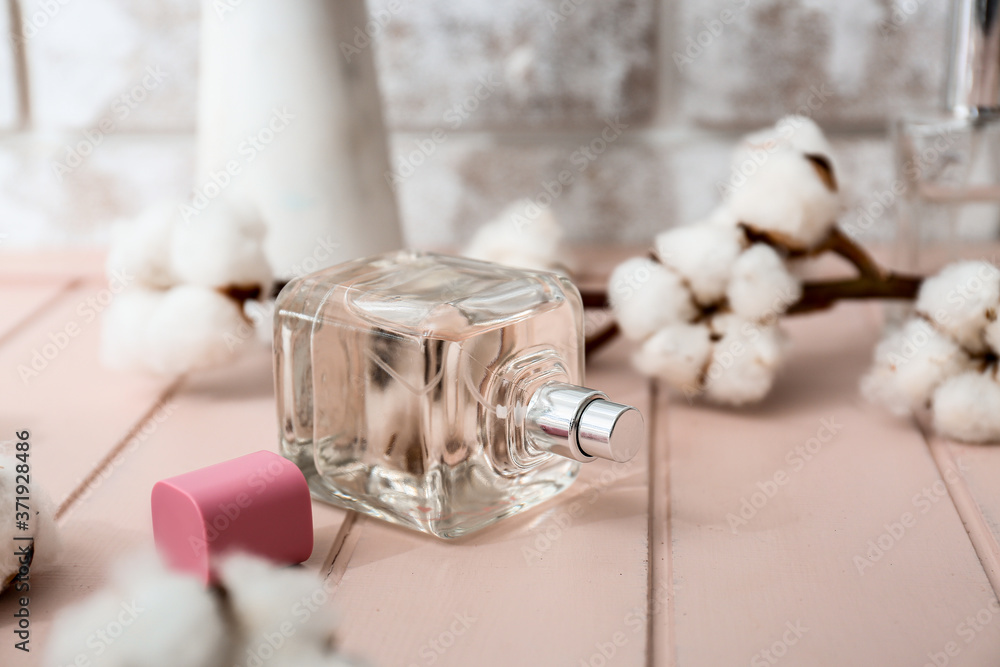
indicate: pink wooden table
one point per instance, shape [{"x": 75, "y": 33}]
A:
[{"x": 810, "y": 530}]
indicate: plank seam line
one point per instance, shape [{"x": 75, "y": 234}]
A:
[
  {"x": 342, "y": 548},
  {"x": 41, "y": 309},
  {"x": 668, "y": 548},
  {"x": 651, "y": 519},
  {"x": 164, "y": 396},
  {"x": 983, "y": 542},
  {"x": 660, "y": 613}
]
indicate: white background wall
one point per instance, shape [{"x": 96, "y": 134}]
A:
[{"x": 685, "y": 76}]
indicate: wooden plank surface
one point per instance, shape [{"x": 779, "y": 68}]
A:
[
  {"x": 972, "y": 473},
  {"x": 560, "y": 585},
  {"x": 816, "y": 530},
  {"x": 648, "y": 572},
  {"x": 52, "y": 383},
  {"x": 20, "y": 302},
  {"x": 212, "y": 417}
]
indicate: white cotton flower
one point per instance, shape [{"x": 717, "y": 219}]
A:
[
  {"x": 761, "y": 285},
  {"x": 676, "y": 354},
  {"x": 702, "y": 254},
  {"x": 645, "y": 296},
  {"x": 264, "y": 596},
  {"x": 721, "y": 216},
  {"x": 141, "y": 247},
  {"x": 79, "y": 624},
  {"x": 44, "y": 549},
  {"x": 967, "y": 407},
  {"x": 961, "y": 300},
  {"x": 124, "y": 324},
  {"x": 148, "y": 617},
  {"x": 524, "y": 235},
  {"x": 261, "y": 315},
  {"x": 224, "y": 246},
  {"x": 172, "y": 331},
  {"x": 803, "y": 134},
  {"x": 194, "y": 327},
  {"x": 745, "y": 360},
  {"x": 786, "y": 198},
  {"x": 798, "y": 133},
  {"x": 909, "y": 364}
]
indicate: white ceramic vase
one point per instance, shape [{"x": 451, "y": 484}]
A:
[{"x": 290, "y": 124}]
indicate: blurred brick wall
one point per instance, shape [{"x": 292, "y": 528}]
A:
[{"x": 517, "y": 86}]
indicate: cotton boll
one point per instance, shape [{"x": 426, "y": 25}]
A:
[
  {"x": 223, "y": 246},
  {"x": 524, "y": 235},
  {"x": 797, "y": 133},
  {"x": 761, "y": 285},
  {"x": 180, "y": 622},
  {"x": 41, "y": 524},
  {"x": 76, "y": 624},
  {"x": 646, "y": 297},
  {"x": 745, "y": 360},
  {"x": 264, "y": 596},
  {"x": 676, "y": 354},
  {"x": 261, "y": 314},
  {"x": 123, "y": 327},
  {"x": 194, "y": 327},
  {"x": 961, "y": 299},
  {"x": 909, "y": 363},
  {"x": 967, "y": 407},
  {"x": 703, "y": 255},
  {"x": 721, "y": 216},
  {"x": 141, "y": 248},
  {"x": 804, "y": 135},
  {"x": 148, "y": 617},
  {"x": 786, "y": 198}
]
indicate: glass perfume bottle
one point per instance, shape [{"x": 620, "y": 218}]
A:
[
  {"x": 948, "y": 162},
  {"x": 437, "y": 392}
]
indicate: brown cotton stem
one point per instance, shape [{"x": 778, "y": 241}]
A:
[
  {"x": 836, "y": 241},
  {"x": 241, "y": 293},
  {"x": 595, "y": 298},
  {"x": 276, "y": 288},
  {"x": 601, "y": 338},
  {"x": 842, "y": 245},
  {"x": 815, "y": 296},
  {"x": 822, "y": 295}
]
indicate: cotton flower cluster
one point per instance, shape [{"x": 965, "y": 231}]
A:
[
  {"x": 174, "y": 315},
  {"x": 783, "y": 183},
  {"x": 944, "y": 357},
  {"x": 40, "y": 552},
  {"x": 150, "y": 616},
  {"x": 523, "y": 235},
  {"x": 704, "y": 310}
]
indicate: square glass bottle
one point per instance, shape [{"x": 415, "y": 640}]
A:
[
  {"x": 948, "y": 161},
  {"x": 437, "y": 392}
]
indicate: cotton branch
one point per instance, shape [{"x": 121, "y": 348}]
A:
[{"x": 873, "y": 280}]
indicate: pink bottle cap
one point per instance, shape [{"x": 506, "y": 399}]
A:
[{"x": 256, "y": 504}]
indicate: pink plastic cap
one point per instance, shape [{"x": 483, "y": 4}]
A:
[{"x": 256, "y": 504}]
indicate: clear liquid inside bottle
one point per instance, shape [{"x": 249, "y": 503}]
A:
[{"x": 403, "y": 384}]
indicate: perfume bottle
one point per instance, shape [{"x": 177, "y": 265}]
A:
[
  {"x": 439, "y": 393},
  {"x": 948, "y": 162}
]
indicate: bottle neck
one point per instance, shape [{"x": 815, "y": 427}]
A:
[
  {"x": 582, "y": 424},
  {"x": 532, "y": 410}
]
